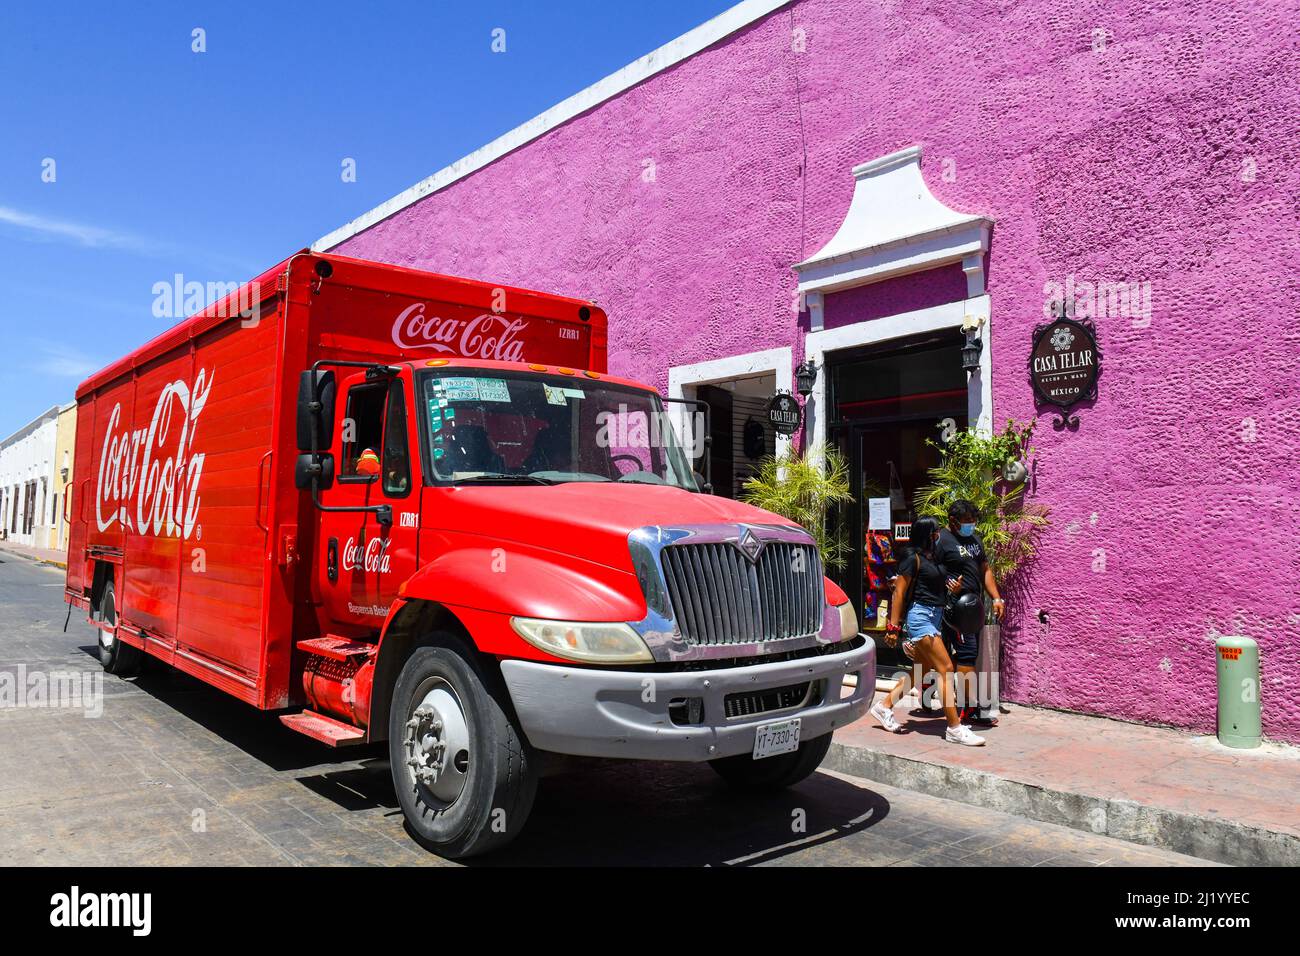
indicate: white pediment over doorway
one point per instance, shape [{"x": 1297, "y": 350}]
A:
[{"x": 894, "y": 226}]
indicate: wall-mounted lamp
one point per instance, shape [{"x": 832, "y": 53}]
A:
[
  {"x": 970, "y": 352},
  {"x": 805, "y": 376}
]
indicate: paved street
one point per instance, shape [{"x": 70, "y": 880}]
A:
[{"x": 174, "y": 772}]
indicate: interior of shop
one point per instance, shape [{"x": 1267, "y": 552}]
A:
[{"x": 889, "y": 404}]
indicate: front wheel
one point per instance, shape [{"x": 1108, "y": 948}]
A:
[
  {"x": 116, "y": 655},
  {"x": 773, "y": 773},
  {"x": 465, "y": 774}
]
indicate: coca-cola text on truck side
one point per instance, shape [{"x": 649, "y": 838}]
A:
[{"x": 399, "y": 506}]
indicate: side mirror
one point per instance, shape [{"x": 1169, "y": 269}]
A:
[
  {"x": 702, "y": 483},
  {"x": 320, "y": 411},
  {"x": 309, "y": 466}
]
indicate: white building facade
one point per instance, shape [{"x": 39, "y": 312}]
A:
[{"x": 29, "y": 503}]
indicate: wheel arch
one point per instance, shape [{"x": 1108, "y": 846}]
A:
[
  {"x": 99, "y": 580},
  {"x": 410, "y": 627}
]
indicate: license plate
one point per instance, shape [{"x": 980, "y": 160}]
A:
[{"x": 778, "y": 738}]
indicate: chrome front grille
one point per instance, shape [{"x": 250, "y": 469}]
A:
[{"x": 720, "y": 597}]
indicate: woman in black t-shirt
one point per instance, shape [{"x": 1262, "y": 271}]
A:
[
  {"x": 961, "y": 552},
  {"x": 920, "y": 591}
]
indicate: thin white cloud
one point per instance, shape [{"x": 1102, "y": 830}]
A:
[
  {"x": 55, "y": 230},
  {"x": 43, "y": 229},
  {"x": 62, "y": 361}
]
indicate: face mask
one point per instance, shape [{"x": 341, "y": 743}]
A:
[{"x": 967, "y": 529}]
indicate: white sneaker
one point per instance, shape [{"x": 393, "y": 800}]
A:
[
  {"x": 961, "y": 734},
  {"x": 886, "y": 717}
]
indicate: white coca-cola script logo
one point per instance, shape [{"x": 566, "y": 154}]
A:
[
  {"x": 486, "y": 336},
  {"x": 373, "y": 557},
  {"x": 148, "y": 479}
]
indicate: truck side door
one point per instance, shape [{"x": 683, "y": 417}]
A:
[{"x": 362, "y": 562}]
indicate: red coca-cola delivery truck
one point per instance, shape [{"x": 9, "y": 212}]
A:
[{"x": 404, "y": 507}]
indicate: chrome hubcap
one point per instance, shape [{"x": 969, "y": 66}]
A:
[{"x": 437, "y": 743}]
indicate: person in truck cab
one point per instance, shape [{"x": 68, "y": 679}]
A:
[
  {"x": 471, "y": 450},
  {"x": 550, "y": 451}
]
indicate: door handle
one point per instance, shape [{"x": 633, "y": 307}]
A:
[{"x": 332, "y": 559}]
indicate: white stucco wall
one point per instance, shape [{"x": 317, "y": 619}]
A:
[{"x": 28, "y": 456}]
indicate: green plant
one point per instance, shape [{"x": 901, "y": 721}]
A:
[
  {"x": 972, "y": 467},
  {"x": 805, "y": 488}
]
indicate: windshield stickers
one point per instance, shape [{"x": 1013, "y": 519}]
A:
[
  {"x": 559, "y": 395},
  {"x": 472, "y": 390},
  {"x": 493, "y": 390},
  {"x": 460, "y": 389}
]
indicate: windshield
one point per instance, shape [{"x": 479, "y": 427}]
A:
[{"x": 511, "y": 428}]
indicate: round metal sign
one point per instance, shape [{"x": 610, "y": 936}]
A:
[
  {"x": 1064, "y": 362},
  {"x": 784, "y": 414}
]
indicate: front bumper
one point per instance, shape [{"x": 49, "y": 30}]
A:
[{"x": 605, "y": 713}]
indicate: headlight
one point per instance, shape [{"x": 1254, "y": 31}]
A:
[
  {"x": 848, "y": 621},
  {"x": 582, "y": 641}
]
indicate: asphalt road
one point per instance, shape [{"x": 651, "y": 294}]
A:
[{"x": 173, "y": 772}]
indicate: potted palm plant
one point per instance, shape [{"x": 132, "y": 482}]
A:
[
  {"x": 805, "y": 487},
  {"x": 990, "y": 471}
]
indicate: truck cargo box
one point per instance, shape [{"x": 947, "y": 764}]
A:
[{"x": 184, "y": 466}]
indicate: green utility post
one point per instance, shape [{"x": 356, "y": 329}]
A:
[{"x": 1238, "y": 659}]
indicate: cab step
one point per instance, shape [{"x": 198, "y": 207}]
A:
[
  {"x": 325, "y": 729},
  {"x": 336, "y": 648}
]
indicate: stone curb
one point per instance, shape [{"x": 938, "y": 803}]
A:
[{"x": 1209, "y": 838}]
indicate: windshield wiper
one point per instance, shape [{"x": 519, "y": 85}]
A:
[{"x": 504, "y": 479}]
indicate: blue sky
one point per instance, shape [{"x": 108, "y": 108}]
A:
[{"x": 216, "y": 165}]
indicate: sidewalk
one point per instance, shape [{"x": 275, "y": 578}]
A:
[
  {"x": 1147, "y": 785},
  {"x": 41, "y": 555}
]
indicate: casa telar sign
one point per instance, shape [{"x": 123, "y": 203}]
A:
[{"x": 1064, "y": 364}]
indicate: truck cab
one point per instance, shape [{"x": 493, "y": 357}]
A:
[{"x": 547, "y": 576}]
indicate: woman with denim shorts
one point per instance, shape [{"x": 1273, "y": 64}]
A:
[{"x": 921, "y": 590}]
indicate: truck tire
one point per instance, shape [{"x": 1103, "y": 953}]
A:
[
  {"x": 464, "y": 773},
  {"x": 773, "y": 773},
  {"x": 117, "y": 656}
]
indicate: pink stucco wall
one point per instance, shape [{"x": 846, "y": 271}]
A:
[{"x": 1165, "y": 157}]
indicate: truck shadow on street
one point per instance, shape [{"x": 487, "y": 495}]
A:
[
  {"x": 259, "y": 734},
  {"x": 622, "y": 813},
  {"x": 596, "y": 812}
]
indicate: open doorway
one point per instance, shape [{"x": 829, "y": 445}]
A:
[
  {"x": 888, "y": 405},
  {"x": 741, "y": 435}
]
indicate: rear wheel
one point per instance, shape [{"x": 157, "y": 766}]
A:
[
  {"x": 464, "y": 773},
  {"x": 116, "y": 655},
  {"x": 773, "y": 773}
]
